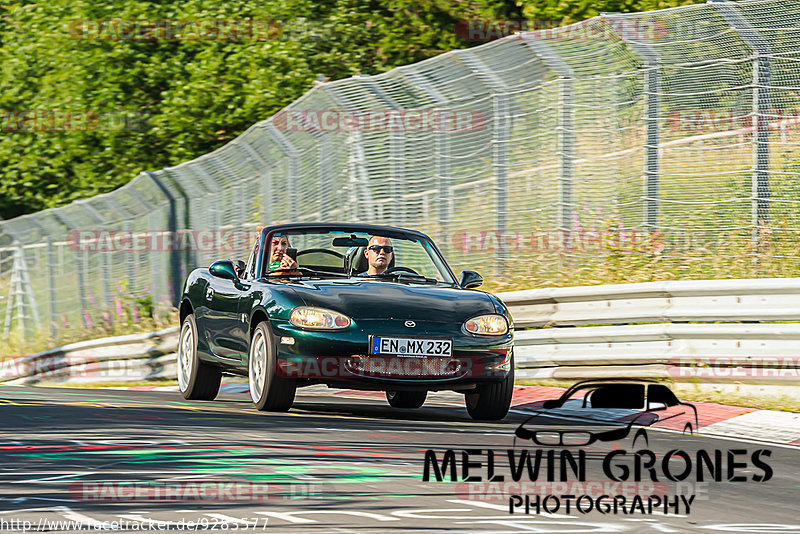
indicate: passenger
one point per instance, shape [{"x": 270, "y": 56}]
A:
[
  {"x": 278, "y": 259},
  {"x": 379, "y": 255}
]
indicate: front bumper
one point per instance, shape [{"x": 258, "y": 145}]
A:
[{"x": 341, "y": 358}]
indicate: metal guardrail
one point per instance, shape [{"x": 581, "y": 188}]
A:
[
  {"x": 707, "y": 330},
  {"x": 131, "y": 358},
  {"x": 693, "y": 330},
  {"x": 765, "y": 299}
]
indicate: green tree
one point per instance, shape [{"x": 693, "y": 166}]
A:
[
  {"x": 577, "y": 10},
  {"x": 125, "y": 105}
]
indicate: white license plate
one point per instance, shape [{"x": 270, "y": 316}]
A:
[{"x": 404, "y": 346}]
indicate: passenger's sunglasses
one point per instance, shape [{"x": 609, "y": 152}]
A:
[{"x": 377, "y": 249}]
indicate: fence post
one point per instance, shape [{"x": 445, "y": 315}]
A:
[
  {"x": 51, "y": 285},
  {"x": 441, "y": 153},
  {"x": 500, "y": 132},
  {"x": 566, "y": 136},
  {"x": 652, "y": 165},
  {"x": 174, "y": 277},
  {"x": 262, "y": 167},
  {"x": 759, "y": 212},
  {"x": 19, "y": 290},
  {"x": 266, "y": 196},
  {"x": 126, "y": 226},
  {"x": 627, "y": 29},
  {"x": 148, "y": 209},
  {"x": 323, "y": 166},
  {"x": 9, "y": 304},
  {"x": 211, "y": 200},
  {"x": 397, "y": 176},
  {"x": 188, "y": 257},
  {"x": 106, "y": 258},
  {"x": 397, "y": 147},
  {"x": 360, "y": 198},
  {"x": 501, "y": 129},
  {"x": 80, "y": 262},
  {"x": 52, "y": 311},
  {"x": 154, "y": 259},
  {"x": 292, "y": 175}
]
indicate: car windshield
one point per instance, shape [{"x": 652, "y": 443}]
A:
[
  {"x": 339, "y": 254},
  {"x": 599, "y": 396}
]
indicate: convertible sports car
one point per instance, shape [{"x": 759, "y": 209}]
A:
[{"x": 364, "y": 307}]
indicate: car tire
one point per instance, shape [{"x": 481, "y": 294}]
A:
[
  {"x": 491, "y": 401},
  {"x": 406, "y": 399},
  {"x": 269, "y": 391},
  {"x": 197, "y": 380}
]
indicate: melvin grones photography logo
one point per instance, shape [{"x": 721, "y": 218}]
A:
[{"x": 557, "y": 462}]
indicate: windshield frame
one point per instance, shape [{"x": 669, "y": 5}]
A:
[{"x": 391, "y": 232}]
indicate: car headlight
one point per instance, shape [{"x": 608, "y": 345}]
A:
[
  {"x": 548, "y": 438},
  {"x": 318, "y": 318},
  {"x": 576, "y": 438},
  {"x": 487, "y": 325}
]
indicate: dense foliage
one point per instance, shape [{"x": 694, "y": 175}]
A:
[{"x": 84, "y": 111}]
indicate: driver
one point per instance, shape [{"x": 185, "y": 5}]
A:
[
  {"x": 278, "y": 259},
  {"x": 379, "y": 254}
]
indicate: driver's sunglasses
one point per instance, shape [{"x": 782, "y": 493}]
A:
[{"x": 377, "y": 249}]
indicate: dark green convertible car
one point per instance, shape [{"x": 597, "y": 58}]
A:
[{"x": 351, "y": 306}]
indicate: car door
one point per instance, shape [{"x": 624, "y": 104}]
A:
[
  {"x": 222, "y": 323},
  {"x": 222, "y": 318},
  {"x": 240, "y": 335}
]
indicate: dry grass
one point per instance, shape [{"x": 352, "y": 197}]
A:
[
  {"x": 17, "y": 344},
  {"x": 649, "y": 259}
]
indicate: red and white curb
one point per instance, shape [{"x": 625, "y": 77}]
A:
[{"x": 714, "y": 419}]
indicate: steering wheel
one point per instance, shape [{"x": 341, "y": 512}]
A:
[{"x": 400, "y": 269}]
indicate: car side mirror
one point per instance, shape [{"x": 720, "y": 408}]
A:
[
  {"x": 470, "y": 279},
  {"x": 224, "y": 269},
  {"x": 551, "y": 403}
]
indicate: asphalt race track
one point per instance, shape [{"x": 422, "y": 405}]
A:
[{"x": 96, "y": 460}]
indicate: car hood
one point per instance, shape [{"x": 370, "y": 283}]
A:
[{"x": 367, "y": 299}]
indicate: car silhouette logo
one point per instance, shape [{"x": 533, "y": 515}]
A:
[
  {"x": 411, "y": 324},
  {"x": 605, "y": 410}
]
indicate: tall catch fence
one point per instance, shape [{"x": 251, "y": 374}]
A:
[{"x": 670, "y": 134}]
